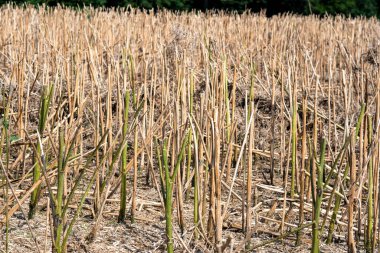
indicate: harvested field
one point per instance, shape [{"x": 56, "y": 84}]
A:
[{"x": 132, "y": 131}]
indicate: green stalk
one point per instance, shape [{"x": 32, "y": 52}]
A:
[
  {"x": 82, "y": 172},
  {"x": 334, "y": 216},
  {"x": 85, "y": 168},
  {"x": 333, "y": 219},
  {"x": 116, "y": 155},
  {"x": 162, "y": 176},
  {"x": 169, "y": 181},
  {"x": 351, "y": 243},
  {"x": 123, "y": 168},
  {"x": 318, "y": 199},
  {"x": 58, "y": 218},
  {"x": 345, "y": 173},
  {"x": 369, "y": 234},
  {"x": 46, "y": 95},
  {"x": 79, "y": 209},
  {"x": 168, "y": 199},
  {"x": 61, "y": 230},
  {"x": 346, "y": 142}
]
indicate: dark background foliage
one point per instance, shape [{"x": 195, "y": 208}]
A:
[{"x": 352, "y": 8}]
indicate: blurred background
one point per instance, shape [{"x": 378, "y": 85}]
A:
[{"x": 353, "y": 8}]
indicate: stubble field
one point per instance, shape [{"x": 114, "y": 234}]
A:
[{"x": 131, "y": 131}]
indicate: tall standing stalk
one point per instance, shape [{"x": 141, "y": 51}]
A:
[
  {"x": 5, "y": 138},
  {"x": 250, "y": 147},
  {"x": 318, "y": 199},
  {"x": 226, "y": 101},
  {"x": 123, "y": 168},
  {"x": 376, "y": 165},
  {"x": 233, "y": 135},
  {"x": 315, "y": 140},
  {"x": 189, "y": 149},
  {"x": 46, "y": 95},
  {"x": 294, "y": 141},
  {"x": 272, "y": 144},
  {"x": 369, "y": 233},
  {"x": 303, "y": 166},
  {"x": 196, "y": 182},
  {"x": 170, "y": 178},
  {"x": 217, "y": 181},
  {"x": 135, "y": 174},
  {"x": 58, "y": 215},
  {"x": 351, "y": 204},
  {"x": 193, "y": 137},
  {"x": 136, "y": 97}
]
